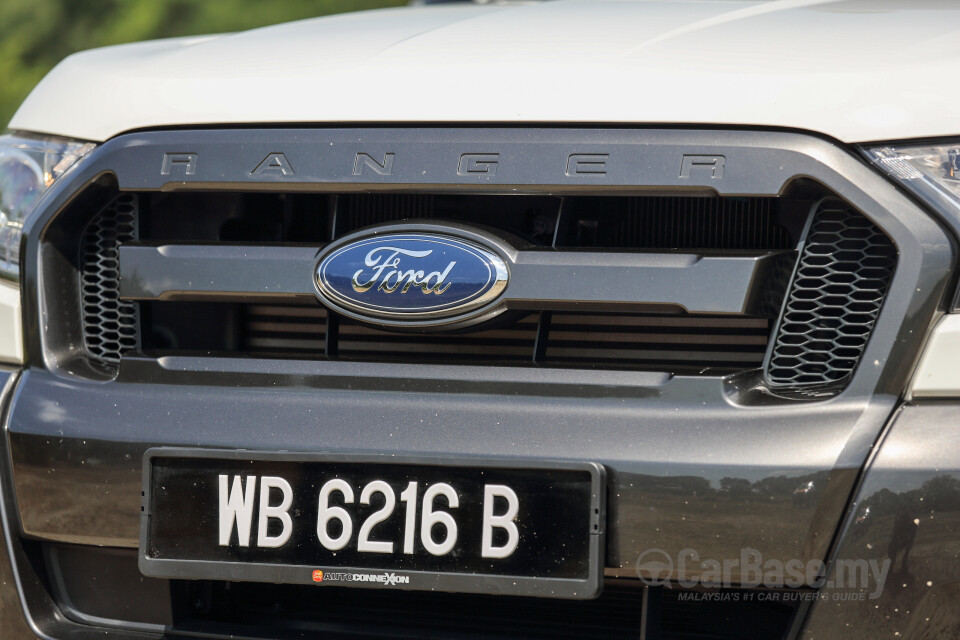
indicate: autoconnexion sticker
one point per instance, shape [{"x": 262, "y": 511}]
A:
[{"x": 387, "y": 579}]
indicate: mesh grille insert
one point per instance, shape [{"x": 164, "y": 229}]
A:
[
  {"x": 109, "y": 325},
  {"x": 838, "y": 289}
]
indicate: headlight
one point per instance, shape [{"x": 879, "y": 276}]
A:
[
  {"x": 28, "y": 167},
  {"x": 932, "y": 173}
]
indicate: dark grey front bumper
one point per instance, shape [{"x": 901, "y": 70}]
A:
[{"x": 665, "y": 442}]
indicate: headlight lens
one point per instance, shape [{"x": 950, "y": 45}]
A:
[
  {"x": 28, "y": 167},
  {"x": 931, "y": 172}
]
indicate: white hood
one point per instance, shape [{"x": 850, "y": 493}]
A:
[{"x": 856, "y": 70}]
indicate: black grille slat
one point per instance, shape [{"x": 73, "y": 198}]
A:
[
  {"x": 109, "y": 323},
  {"x": 836, "y": 295}
]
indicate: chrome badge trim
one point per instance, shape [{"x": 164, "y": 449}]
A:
[{"x": 411, "y": 278}]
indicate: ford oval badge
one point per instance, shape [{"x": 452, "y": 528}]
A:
[{"x": 410, "y": 279}]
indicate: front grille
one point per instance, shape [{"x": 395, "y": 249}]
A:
[
  {"x": 655, "y": 337},
  {"x": 834, "y": 297},
  {"x": 840, "y": 284}
]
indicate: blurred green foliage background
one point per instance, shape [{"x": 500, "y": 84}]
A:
[{"x": 36, "y": 34}]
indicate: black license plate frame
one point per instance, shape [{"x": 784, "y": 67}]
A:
[{"x": 167, "y": 552}]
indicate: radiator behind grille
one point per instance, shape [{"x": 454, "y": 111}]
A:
[
  {"x": 670, "y": 223},
  {"x": 704, "y": 223}
]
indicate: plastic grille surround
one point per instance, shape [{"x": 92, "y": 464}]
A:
[
  {"x": 838, "y": 289},
  {"x": 109, "y": 324}
]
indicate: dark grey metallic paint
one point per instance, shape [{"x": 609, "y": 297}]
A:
[
  {"x": 907, "y": 510},
  {"x": 27, "y": 610}
]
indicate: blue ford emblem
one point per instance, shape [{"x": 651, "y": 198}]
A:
[{"x": 410, "y": 278}]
